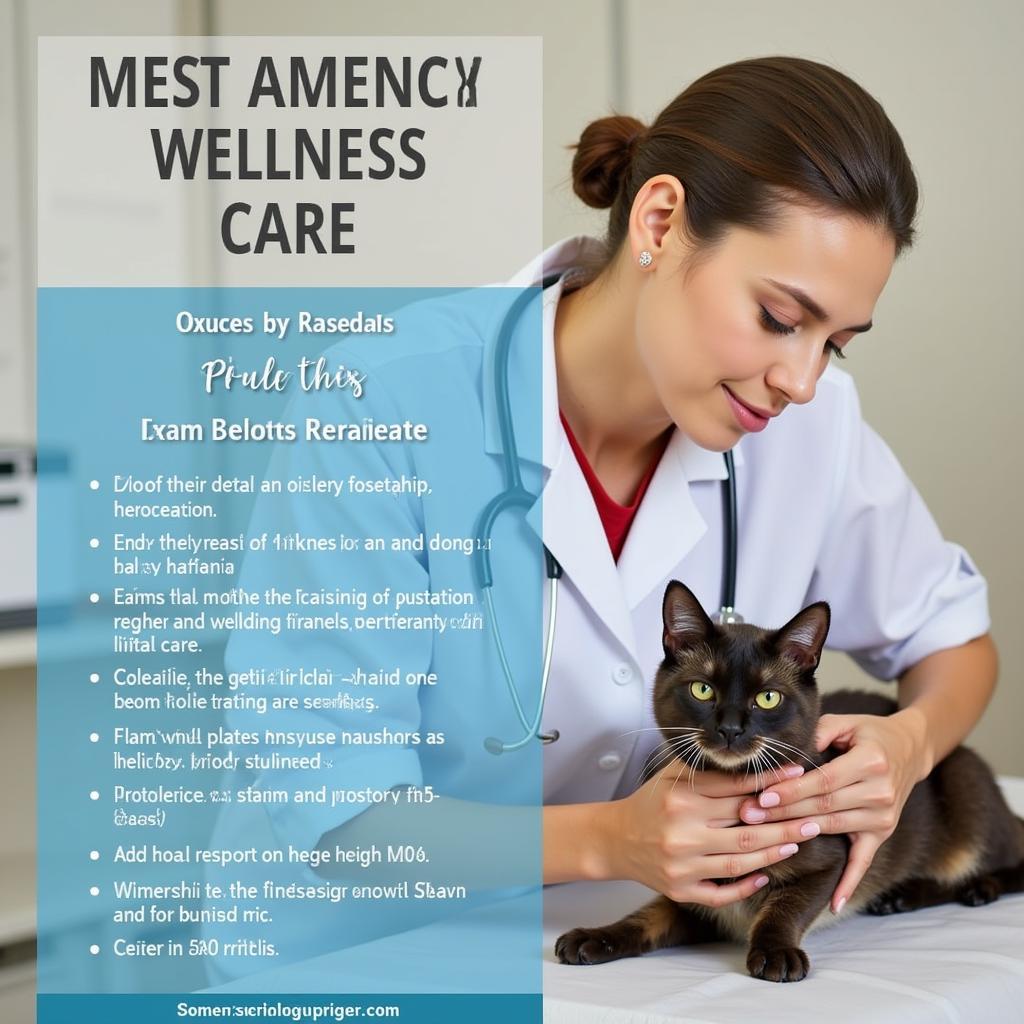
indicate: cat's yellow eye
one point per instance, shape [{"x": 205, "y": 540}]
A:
[
  {"x": 702, "y": 691},
  {"x": 768, "y": 699}
]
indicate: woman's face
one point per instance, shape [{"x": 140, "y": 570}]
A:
[{"x": 731, "y": 331}]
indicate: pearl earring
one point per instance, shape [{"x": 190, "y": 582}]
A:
[{"x": 645, "y": 259}]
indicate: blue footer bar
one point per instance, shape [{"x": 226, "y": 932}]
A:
[{"x": 409, "y": 1009}]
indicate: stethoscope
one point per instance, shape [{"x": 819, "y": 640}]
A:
[{"x": 515, "y": 495}]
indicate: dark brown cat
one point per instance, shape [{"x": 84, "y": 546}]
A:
[{"x": 957, "y": 840}]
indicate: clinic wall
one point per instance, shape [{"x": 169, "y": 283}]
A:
[{"x": 15, "y": 351}]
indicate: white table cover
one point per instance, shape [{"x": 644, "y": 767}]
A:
[{"x": 950, "y": 964}]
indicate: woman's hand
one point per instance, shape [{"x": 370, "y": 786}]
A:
[
  {"x": 861, "y": 792},
  {"x": 673, "y": 837}
]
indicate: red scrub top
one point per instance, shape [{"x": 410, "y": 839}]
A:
[{"x": 615, "y": 518}]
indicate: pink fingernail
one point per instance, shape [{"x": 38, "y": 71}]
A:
[
  {"x": 769, "y": 799},
  {"x": 761, "y": 882},
  {"x": 840, "y": 905},
  {"x": 794, "y": 772},
  {"x": 789, "y": 848},
  {"x": 754, "y": 816}
]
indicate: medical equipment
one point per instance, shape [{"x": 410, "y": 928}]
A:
[{"x": 516, "y": 496}]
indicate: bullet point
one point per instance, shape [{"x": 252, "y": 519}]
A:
[
  {"x": 94, "y": 598},
  {"x": 94, "y": 855},
  {"x": 94, "y": 678},
  {"x": 94, "y": 950},
  {"x": 94, "y": 737},
  {"x": 94, "y": 484},
  {"x": 94, "y": 795},
  {"x": 94, "y": 891},
  {"x": 94, "y": 543}
]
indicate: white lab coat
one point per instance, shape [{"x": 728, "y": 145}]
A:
[{"x": 825, "y": 512}]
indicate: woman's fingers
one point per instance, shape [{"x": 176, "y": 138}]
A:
[
  {"x": 857, "y": 764},
  {"x": 711, "y": 895},
  {"x": 750, "y": 850},
  {"x": 758, "y": 846},
  {"x": 735, "y": 864},
  {"x": 824, "y": 807}
]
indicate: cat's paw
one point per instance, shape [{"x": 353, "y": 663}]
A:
[
  {"x": 592, "y": 946},
  {"x": 782, "y": 963},
  {"x": 979, "y": 891},
  {"x": 888, "y": 903}
]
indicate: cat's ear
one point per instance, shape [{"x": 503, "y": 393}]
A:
[
  {"x": 686, "y": 623},
  {"x": 802, "y": 638}
]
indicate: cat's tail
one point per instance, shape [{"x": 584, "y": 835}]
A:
[
  {"x": 1000, "y": 881},
  {"x": 1010, "y": 879}
]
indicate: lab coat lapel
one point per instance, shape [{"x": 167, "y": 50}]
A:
[
  {"x": 668, "y": 524},
  {"x": 567, "y": 519},
  {"x": 565, "y": 516}
]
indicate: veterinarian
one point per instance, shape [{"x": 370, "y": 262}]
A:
[{"x": 752, "y": 228}]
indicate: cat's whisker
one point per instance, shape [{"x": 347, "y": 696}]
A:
[
  {"x": 777, "y": 745},
  {"x": 686, "y": 751},
  {"x": 765, "y": 763},
  {"x": 752, "y": 765},
  {"x": 663, "y": 761},
  {"x": 769, "y": 759},
  {"x": 693, "y": 749},
  {"x": 781, "y": 745},
  {"x": 667, "y": 728},
  {"x": 759, "y": 759},
  {"x": 678, "y": 743},
  {"x": 693, "y": 766},
  {"x": 670, "y": 748},
  {"x": 674, "y": 750},
  {"x": 664, "y": 758},
  {"x": 698, "y": 766},
  {"x": 768, "y": 754}
]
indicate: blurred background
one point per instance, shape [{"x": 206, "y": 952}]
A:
[{"x": 936, "y": 374}]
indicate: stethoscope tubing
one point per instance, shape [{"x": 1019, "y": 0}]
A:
[{"x": 515, "y": 495}]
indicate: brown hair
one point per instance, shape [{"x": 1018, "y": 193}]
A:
[{"x": 744, "y": 140}]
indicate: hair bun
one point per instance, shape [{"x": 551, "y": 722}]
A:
[{"x": 603, "y": 156}]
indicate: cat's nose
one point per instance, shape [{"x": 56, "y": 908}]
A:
[{"x": 729, "y": 731}]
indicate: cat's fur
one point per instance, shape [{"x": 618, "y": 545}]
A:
[{"x": 957, "y": 840}]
